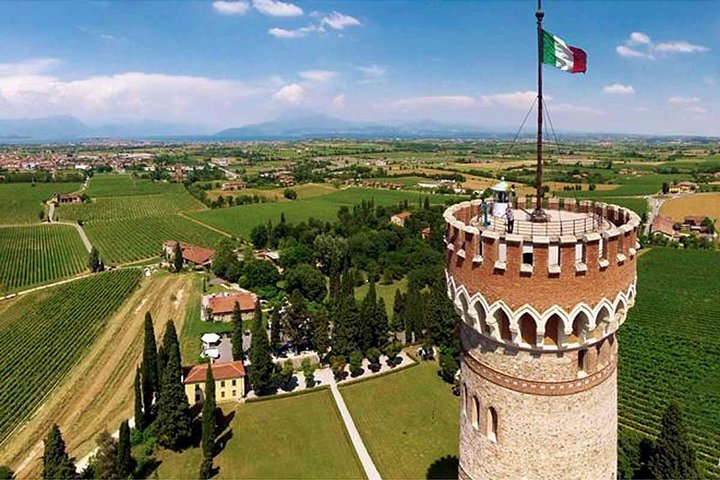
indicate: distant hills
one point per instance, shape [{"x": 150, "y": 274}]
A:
[{"x": 290, "y": 126}]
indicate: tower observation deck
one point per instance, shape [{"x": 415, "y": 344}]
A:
[{"x": 539, "y": 309}]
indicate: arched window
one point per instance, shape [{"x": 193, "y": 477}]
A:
[
  {"x": 552, "y": 330},
  {"x": 476, "y": 413},
  {"x": 601, "y": 322},
  {"x": 482, "y": 318},
  {"x": 504, "y": 322},
  {"x": 464, "y": 307},
  {"x": 528, "y": 329},
  {"x": 465, "y": 399},
  {"x": 492, "y": 424},
  {"x": 580, "y": 326},
  {"x": 582, "y": 361}
]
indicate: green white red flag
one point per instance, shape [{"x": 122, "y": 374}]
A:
[{"x": 561, "y": 55}]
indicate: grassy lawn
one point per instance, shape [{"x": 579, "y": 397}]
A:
[
  {"x": 22, "y": 202},
  {"x": 408, "y": 421},
  {"x": 240, "y": 220},
  {"x": 295, "y": 437},
  {"x": 387, "y": 292}
]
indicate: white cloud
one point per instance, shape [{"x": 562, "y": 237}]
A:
[
  {"x": 275, "y": 8},
  {"x": 643, "y": 47},
  {"x": 373, "y": 71},
  {"x": 436, "y": 101},
  {"x": 628, "y": 52},
  {"x": 227, "y": 7},
  {"x": 683, "y": 100},
  {"x": 514, "y": 100},
  {"x": 680, "y": 47},
  {"x": 291, "y": 94},
  {"x": 128, "y": 95},
  {"x": 696, "y": 109},
  {"x": 339, "y": 101},
  {"x": 30, "y": 66},
  {"x": 639, "y": 38},
  {"x": 318, "y": 75},
  {"x": 339, "y": 21},
  {"x": 619, "y": 89},
  {"x": 296, "y": 33}
]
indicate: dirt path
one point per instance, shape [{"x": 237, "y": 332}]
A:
[
  {"x": 221, "y": 232},
  {"x": 98, "y": 393}
]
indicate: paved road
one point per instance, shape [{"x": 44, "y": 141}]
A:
[
  {"x": 83, "y": 237},
  {"x": 654, "y": 204},
  {"x": 367, "y": 462}
]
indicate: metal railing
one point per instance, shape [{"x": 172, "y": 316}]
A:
[{"x": 590, "y": 223}]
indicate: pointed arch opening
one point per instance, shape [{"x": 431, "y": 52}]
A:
[
  {"x": 476, "y": 413},
  {"x": 580, "y": 326},
  {"x": 554, "y": 331},
  {"x": 482, "y": 318},
  {"x": 528, "y": 329},
  {"x": 503, "y": 322},
  {"x": 602, "y": 319}
]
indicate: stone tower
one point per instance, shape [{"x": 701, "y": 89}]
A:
[{"x": 539, "y": 310}]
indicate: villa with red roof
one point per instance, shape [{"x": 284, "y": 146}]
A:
[
  {"x": 218, "y": 307},
  {"x": 198, "y": 257},
  {"x": 229, "y": 381}
]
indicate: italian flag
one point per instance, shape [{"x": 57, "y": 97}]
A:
[{"x": 561, "y": 55}]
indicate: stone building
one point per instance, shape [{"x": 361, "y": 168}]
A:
[{"x": 539, "y": 311}]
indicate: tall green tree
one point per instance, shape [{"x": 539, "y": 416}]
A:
[
  {"x": 275, "y": 329},
  {"x": 413, "y": 314},
  {"x": 673, "y": 457},
  {"x": 149, "y": 370},
  {"x": 173, "y": 427},
  {"x": 366, "y": 326},
  {"x": 397, "y": 324},
  {"x": 209, "y": 415},
  {"x": 105, "y": 460},
  {"x": 94, "y": 262},
  {"x": 6, "y": 473},
  {"x": 321, "y": 332},
  {"x": 345, "y": 321},
  {"x": 296, "y": 321},
  {"x": 237, "y": 333},
  {"x": 138, "y": 402},
  {"x": 57, "y": 465},
  {"x": 125, "y": 461},
  {"x": 170, "y": 343},
  {"x": 177, "y": 258},
  {"x": 380, "y": 325},
  {"x": 262, "y": 366}
]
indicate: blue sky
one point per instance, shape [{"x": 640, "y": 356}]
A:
[{"x": 652, "y": 67}]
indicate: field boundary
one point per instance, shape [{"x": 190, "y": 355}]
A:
[{"x": 209, "y": 227}]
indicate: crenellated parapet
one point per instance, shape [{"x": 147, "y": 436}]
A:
[{"x": 564, "y": 284}]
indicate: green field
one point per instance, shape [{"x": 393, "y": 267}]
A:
[
  {"x": 240, "y": 220},
  {"x": 294, "y": 437},
  {"x": 669, "y": 348},
  {"x": 22, "y": 202},
  {"x": 387, "y": 292},
  {"x": 130, "y": 239},
  {"x": 637, "y": 204},
  {"x": 37, "y": 254},
  {"x": 115, "y": 208},
  {"x": 114, "y": 185},
  {"x": 43, "y": 335},
  {"x": 408, "y": 421}
]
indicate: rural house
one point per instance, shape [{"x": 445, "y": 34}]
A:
[
  {"x": 236, "y": 185},
  {"x": 663, "y": 226},
  {"x": 229, "y": 381},
  {"x": 68, "y": 198},
  {"x": 399, "y": 218},
  {"x": 218, "y": 307},
  {"x": 199, "y": 257}
]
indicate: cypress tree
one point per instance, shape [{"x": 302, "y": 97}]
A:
[
  {"x": 177, "y": 258},
  {"x": 139, "y": 421},
  {"x": 237, "y": 334},
  {"x": 149, "y": 369},
  {"x": 170, "y": 343},
  {"x": 398, "y": 322},
  {"x": 413, "y": 312},
  {"x": 56, "y": 462},
  {"x": 275, "y": 328},
  {"x": 344, "y": 335},
  {"x": 209, "y": 416},
  {"x": 673, "y": 456},
  {"x": 94, "y": 262},
  {"x": 262, "y": 367},
  {"x": 105, "y": 463},
  {"x": 321, "y": 332},
  {"x": 380, "y": 325},
  {"x": 125, "y": 461},
  {"x": 366, "y": 326},
  {"x": 174, "y": 425}
]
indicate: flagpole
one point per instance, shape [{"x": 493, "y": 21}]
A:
[{"x": 538, "y": 214}]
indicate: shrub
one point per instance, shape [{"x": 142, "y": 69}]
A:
[
  {"x": 373, "y": 356},
  {"x": 356, "y": 363}
]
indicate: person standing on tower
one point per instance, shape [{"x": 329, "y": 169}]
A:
[{"x": 510, "y": 219}]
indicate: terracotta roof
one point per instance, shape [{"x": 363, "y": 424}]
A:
[
  {"x": 221, "y": 371},
  {"x": 403, "y": 215},
  {"x": 224, "y": 304},
  {"x": 696, "y": 219},
  {"x": 663, "y": 225},
  {"x": 193, "y": 253}
]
